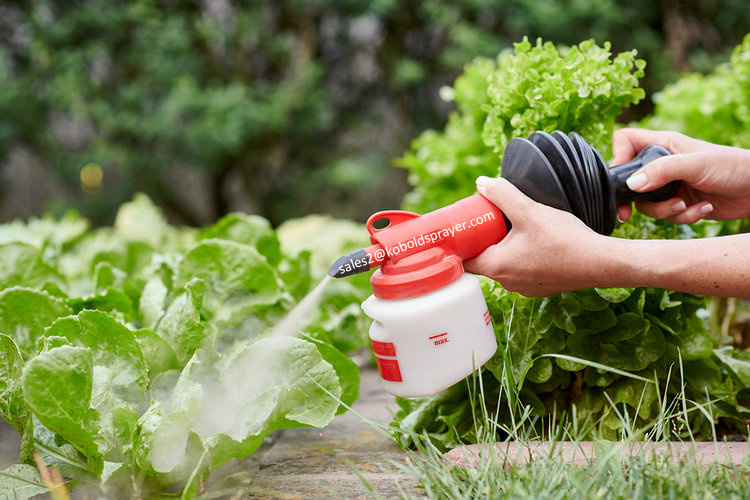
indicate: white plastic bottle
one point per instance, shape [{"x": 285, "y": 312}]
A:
[{"x": 427, "y": 342}]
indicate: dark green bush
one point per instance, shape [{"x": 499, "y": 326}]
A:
[{"x": 279, "y": 107}]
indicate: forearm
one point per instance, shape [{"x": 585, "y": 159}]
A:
[
  {"x": 550, "y": 251},
  {"x": 711, "y": 266}
]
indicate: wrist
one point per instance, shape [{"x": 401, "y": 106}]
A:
[{"x": 627, "y": 263}]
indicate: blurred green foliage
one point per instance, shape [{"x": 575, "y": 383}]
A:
[
  {"x": 282, "y": 107},
  {"x": 713, "y": 107}
]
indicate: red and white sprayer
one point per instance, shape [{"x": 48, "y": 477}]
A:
[{"x": 431, "y": 327}]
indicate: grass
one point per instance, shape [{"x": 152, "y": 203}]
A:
[
  {"x": 607, "y": 477},
  {"x": 611, "y": 474}
]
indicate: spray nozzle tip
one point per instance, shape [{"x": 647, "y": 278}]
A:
[{"x": 352, "y": 263}]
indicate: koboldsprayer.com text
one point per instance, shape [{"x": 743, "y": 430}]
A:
[{"x": 437, "y": 235}]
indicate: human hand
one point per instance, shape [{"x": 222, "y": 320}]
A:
[
  {"x": 547, "y": 251},
  {"x": 716, "y": 179}
]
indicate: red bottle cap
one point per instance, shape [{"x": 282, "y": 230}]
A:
[{"x": 416, "y": 274}]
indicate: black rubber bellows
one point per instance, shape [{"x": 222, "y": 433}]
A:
[{"x": 565, "y": 172}]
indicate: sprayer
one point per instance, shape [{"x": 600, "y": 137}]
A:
[{"x": 431, "y": 325}]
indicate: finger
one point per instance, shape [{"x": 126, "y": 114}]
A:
[
  {"x": 624, "y": 212},
  {"x": 622, "y": 146},
  {"x": 687, "y": 167},
  {"x": 628, "y": 142},
  {"x": 507, "y": 197},
  {"x": 692, "y": 214},
  {"x": 485, "y": 262},
  {"x": 662, "y": 209}
]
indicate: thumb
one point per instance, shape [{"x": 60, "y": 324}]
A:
[
  {"x": 685, "y": 167},
  {"x": 486, "y": 263},
  {"x": 507, "y": 197}
]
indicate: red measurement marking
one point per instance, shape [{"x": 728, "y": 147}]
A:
[
  {"x": 440, "y": 339},
  {"x": 383, "y": 348},
  {"x": 388, "y": 369}
]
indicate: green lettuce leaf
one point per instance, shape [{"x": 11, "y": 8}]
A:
[
  {"x": 285, "y": 383},
  {"x": 25, "y": 313},
  {"x": 181, "y": 324},
  {"x": 120, "y": 369},
  {"x": 20, "y": 482},
  {"x": 247, "y": 229},
  {"x": 141, "y": 220},
  {"x": 158, "y": 353},
  {"x": 57, "y": 386},
  {"x": 13, "y": 408},
  {"x": 57, "y": 233},
  {"x": 738, "y": 363},
  {"x": 23, "y": 265},
  {"x": 347, "y": 372},
  {"x": 274, "y": 383},
  {"x": 238, "y": 279},
  {"x": 152, "y": 302}
]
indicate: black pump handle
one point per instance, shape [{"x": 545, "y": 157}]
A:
[{"x": 620, "y": 173}]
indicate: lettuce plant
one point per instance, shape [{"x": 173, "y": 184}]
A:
[
  {"x": 583, "y": 355},
  {"x": 139, "y": 355},
  {"x": 534, "y": 87},
  {"x": 713, "y": 107}
]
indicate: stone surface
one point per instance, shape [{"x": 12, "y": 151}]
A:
[
  {"x": 10, "y": 445},
  {"x": 702, "y": 453},
  {"x": 333, "y": 462}
]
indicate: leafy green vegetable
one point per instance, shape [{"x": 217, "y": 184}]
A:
[
  {"x": 533, "y": 87},
  {"x": 713, "y": 107},
  {"x": 338, "y": 320},
  {"x": 138, "y": 355},
  {"x": 180, "y": 325},
  {"x": 289, "y": 383},
  {"x": 121, "y": 374},
  {"x": 13, "y": 407},
  {"x": 443, "y": 165},
  {"x": 237, "y": 278},
  {"x": 21, "y": 481},
  {"x": 553, "y": 351},
  {"x": 541, "y": 88},
  {"x": 25, "y": 313},
  {"x": 22, "y": 264},
  {"x": 57, "y": 386}
]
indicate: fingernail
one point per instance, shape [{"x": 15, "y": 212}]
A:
[
  {"x": 483, "y": 181},
  {"x": 637, "y": 181},
  {"x": 707, "y": 208},
  {"x": 678, "y": 206}
]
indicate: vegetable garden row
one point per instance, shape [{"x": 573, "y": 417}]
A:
[{"x": 138, "y": 357}]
